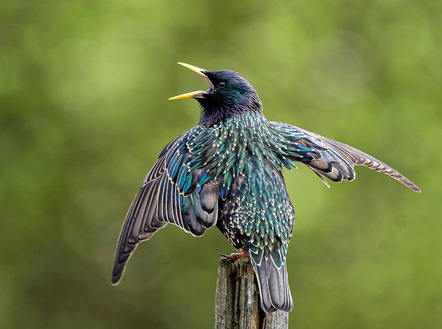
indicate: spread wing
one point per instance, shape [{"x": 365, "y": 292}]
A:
[
  {"x": 177, "y": 190},
  {"x": 333, "y": 159}
]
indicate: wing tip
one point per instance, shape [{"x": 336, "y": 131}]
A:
[
  {"x": 408, "y": 183},
  {"x": 117, "y": 274},
  {"x": 115, "y": 281},
  {"x": 415, "y": 188},
  {"x": 120, "y": 263}
]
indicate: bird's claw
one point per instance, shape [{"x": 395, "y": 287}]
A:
[{"x": 236, "y": 256}]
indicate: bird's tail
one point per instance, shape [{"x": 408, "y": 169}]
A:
[{"x": 273, "y": 285}]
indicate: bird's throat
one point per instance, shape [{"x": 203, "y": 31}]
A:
[{"x": 212, "y": 114}]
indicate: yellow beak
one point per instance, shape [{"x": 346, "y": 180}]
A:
[{"x": 194, "y": 94}]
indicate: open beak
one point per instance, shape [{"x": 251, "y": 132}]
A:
[{"x": 194, "y": 94}]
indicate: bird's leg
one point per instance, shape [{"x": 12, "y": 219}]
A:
[{"x": 236, "y": 256}]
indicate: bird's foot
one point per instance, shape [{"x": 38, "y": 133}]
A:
[{"x": 236, "y": 256}]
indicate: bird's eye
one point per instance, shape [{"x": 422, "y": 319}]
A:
[{"x": 221, "y": 85}]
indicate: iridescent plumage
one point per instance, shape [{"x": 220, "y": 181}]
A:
[{"x": 228, "y": 172}]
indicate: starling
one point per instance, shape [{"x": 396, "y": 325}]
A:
[{"x": 228, "y": 172}]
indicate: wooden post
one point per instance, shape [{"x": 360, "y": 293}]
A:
[{"x": 237, "y": 300}]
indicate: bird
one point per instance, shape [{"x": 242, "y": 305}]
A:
[{"x": 228, "y": 172}]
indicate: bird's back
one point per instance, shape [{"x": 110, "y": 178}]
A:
[{"x": 256, "y": 213}]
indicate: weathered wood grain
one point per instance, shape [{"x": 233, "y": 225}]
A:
[{"x": 237, "y": 300}]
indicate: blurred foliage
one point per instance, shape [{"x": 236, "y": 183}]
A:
[{"x": 84, "y": 114}]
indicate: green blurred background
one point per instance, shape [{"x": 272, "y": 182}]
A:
[{"x": 84, "y": 114}]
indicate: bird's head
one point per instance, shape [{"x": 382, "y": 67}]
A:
[{"x": 229, "y": 94}]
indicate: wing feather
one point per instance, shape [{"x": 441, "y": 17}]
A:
[
  {"x": 333, "y": 159},
  {"x": 169, "y": 194}
]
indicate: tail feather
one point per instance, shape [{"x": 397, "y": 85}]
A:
[{"x": 273, "y": 286}]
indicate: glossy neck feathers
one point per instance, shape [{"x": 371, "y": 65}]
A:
[{"x": 213, "y": 112}]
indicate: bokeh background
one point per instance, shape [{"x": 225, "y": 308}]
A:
[{"x": 84, "y": 114}]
